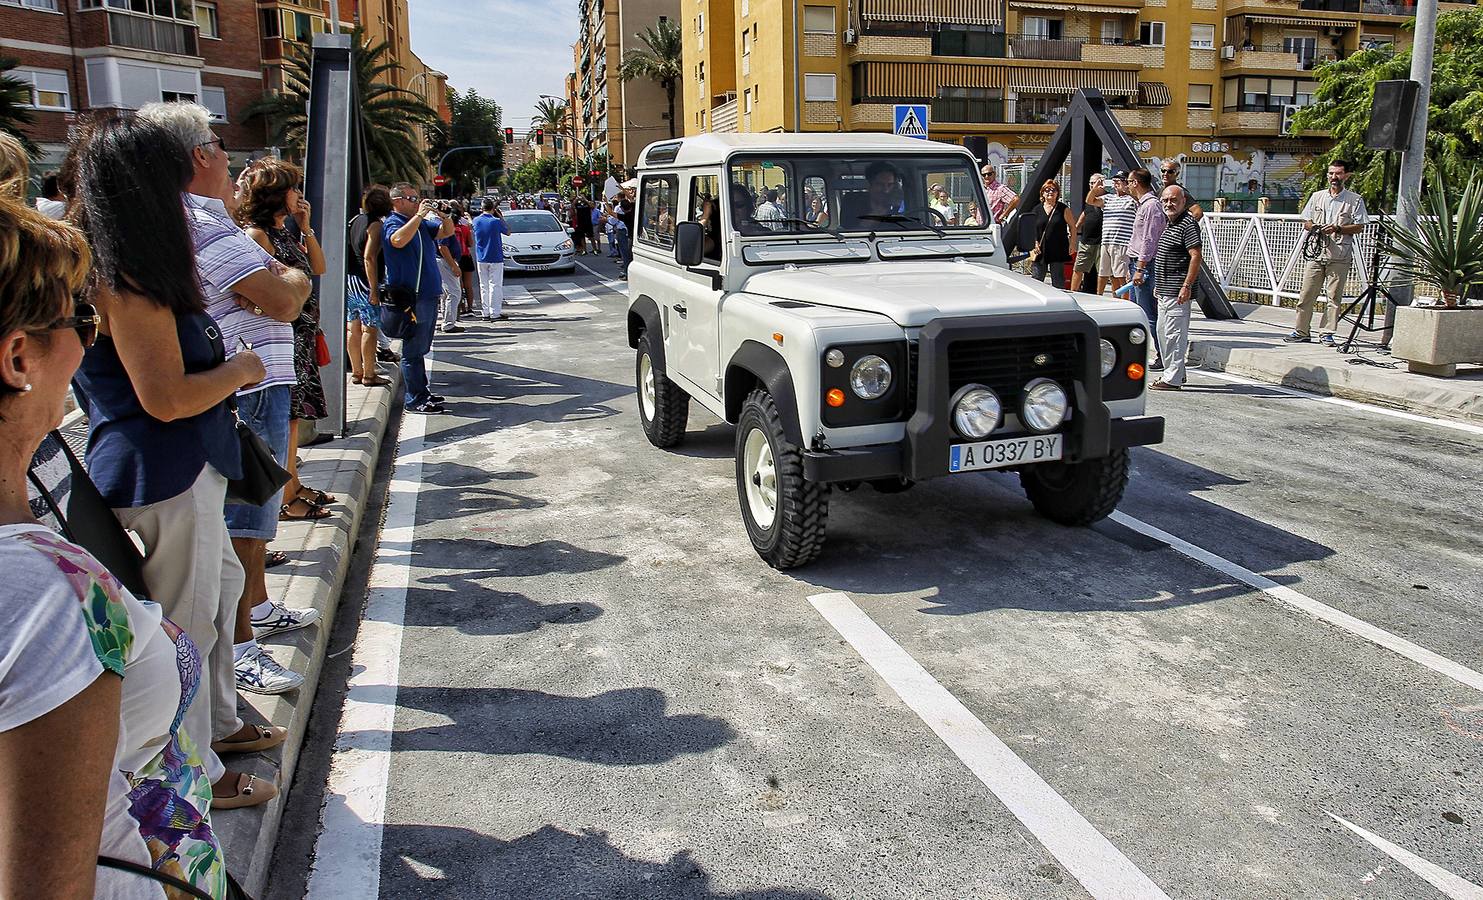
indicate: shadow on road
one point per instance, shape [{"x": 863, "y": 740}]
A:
[
  {"x": 621, "y": 727},
  {"x": 546, "y": 863},
  {"x": 476, "y": 610}
]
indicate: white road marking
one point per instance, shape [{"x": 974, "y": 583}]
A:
[
  {"x": 519, "y": 296},
  {"x": 1340, "y": 401},
  {"x": 612, "y": 283},
  {"x": 1358, "y": 627},
  {"x": 347, "y": 854},
  {"x": 1071, "y": 839},
  {"x": 573, "y": 292},
  {"x": 1454, "y": 886}
]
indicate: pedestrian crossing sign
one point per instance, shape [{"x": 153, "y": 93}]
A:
[{"x": 911, "y": 120}]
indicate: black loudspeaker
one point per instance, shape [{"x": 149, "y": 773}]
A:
[
  {"x": 1391, "y": 115},
  {"x": 978, "y": 145}
]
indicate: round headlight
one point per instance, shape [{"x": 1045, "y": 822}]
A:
[
  {"x": 976, "y": 411},
  {"x": 870, "y": 378},
  {"x": 835, "y": 358},
  {"x": 1137, "y": 336},
  {"x": 1044, "y": 406},
  {"x": 1109, "y": 357}
]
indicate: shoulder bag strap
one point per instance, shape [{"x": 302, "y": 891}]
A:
[
  {"x": 91, "y": 524},
  {"x": 124, "y": 865}
]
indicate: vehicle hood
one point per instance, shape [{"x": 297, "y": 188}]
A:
[
  {"x": 913, "y": 293},
  {"x": 547, "y": 240}
]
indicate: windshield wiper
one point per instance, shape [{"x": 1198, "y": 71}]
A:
[
  {"x": 900, "y": 217},
  {"x": 814, "y": 225}
]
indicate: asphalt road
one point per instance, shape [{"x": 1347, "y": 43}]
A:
[{"x": 600, "y": 691}]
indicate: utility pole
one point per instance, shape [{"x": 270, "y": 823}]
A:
[{"x": 1408, "y": 193}]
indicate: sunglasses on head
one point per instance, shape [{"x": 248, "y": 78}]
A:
[{"x": 84, "y": 320}]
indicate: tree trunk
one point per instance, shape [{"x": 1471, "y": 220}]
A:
[{"x": 669, "y": 88}]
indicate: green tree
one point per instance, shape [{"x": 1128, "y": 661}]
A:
[
  {"x": 551, "y": 115},
  {"x": 1454, "y": 137},
  {"x": 662, "y": 62},
  {"x": 15, "y": 104},
  {"x": 476, "y": 122},
  {"x": 390, "y": 115}
]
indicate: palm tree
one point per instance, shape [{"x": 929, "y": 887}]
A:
[
  {"x": 661, "y": 62},
  {"x": 390, "y": 115},
  {"x": 15, "y": 104},
  {"x": 550, "y": 116}
]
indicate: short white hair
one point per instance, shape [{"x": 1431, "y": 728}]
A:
[{"x": 189, "y": 123}]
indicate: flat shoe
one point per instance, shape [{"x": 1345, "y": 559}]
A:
[
  {"x": 318, "y": 498},
  {"x": 274, "y": 558},
  {"x": 251, "y": 791},
  {"x": 268, "y": 737},
  {"x": 314, "y": 511}
]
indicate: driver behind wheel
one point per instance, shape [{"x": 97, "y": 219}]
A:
[
  {"x": 882, "y": 196},
  {"x": 741, "y": 212}
]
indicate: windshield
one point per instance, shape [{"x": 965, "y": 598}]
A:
[
  {"x": 533, "y": 223},
  {"x": 798, "y": 193}
]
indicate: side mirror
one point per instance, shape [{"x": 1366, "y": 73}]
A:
[{"x": 689, "y": 244}]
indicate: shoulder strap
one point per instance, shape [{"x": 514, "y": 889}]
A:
[
  {"x": 418, "y": 290},
  {"x": 165, "y": 878},
  {"x": 90, "y": 523}
]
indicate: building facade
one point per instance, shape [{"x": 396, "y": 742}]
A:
[
  {"x": 616, "y": 117},
  {"x": 1211, "y": 83}
]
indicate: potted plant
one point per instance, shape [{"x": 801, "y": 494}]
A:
[{"x": 1446, "y": 252}]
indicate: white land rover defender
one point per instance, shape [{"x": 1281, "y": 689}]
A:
[{"x": 837, "y": 299}]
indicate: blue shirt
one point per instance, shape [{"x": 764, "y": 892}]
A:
[
  {"x": 489, "y": 247},
  {"x": 136, "y": 459},
  {"x": 402, "y": 264}
]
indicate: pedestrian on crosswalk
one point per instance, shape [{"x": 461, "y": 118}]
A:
[{"x": 489, "y": 251}]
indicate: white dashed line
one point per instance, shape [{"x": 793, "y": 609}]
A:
[
  {"x": 1092, "y": 859},
  {"x": 1358, "y": 627},
  {"x": 1454, "y": 886},
  {"x": 1340, "y": 401}
]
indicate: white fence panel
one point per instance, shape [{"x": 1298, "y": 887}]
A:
[{"x": 1262, "y": 255}]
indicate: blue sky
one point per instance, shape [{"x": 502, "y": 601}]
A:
[{"x": 511, "y": 51}]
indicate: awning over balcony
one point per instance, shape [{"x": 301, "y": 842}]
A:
[
  {"x": 1066, "y": 80},
  {"x": 1298, "y": 20},
  {"x": 886, "y": 79},
  {"x": 957, "y": 12},
  {"x": 1153, "y": 93},
  {"x": 1097, "y": 8}
]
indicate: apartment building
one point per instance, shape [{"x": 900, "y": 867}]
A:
[
  {"x": 1211, "y": 83},
  {"x": 621, "y": 118}
]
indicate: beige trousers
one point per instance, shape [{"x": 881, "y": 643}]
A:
[
  {"x": 1331, "y": 277},
  {"x": 193, "y": 574}
]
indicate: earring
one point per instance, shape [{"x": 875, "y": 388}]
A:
[{"x": 26, "y": 388}]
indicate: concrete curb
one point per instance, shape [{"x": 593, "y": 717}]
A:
[{"x": 319, "y": 560}]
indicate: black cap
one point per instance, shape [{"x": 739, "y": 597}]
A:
[{"x": 1119, "y": 175}]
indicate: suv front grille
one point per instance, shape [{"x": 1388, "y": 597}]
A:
[{"x": 1007, "y": 364}]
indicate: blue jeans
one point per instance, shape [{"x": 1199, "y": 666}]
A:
[
  {"x": 625, "y": 249},
  {"x": 415, "y": 347},
  {"x": 1143, "y": 296},
  {"x": 266, "y": 413}
]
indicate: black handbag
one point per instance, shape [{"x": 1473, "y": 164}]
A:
[{"x": 262, "y": 477}]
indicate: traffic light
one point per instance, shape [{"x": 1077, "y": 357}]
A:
[
  {"x": 596, "y": 173},
  {"x": 509, "y": 135},
  {"x": 540, "y": 135}
]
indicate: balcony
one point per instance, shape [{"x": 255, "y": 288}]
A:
[
  {"x": 1279, "y": 56},
  {"x": 1034, "y": 46},
  {"x": 1116, "y": 51},
  {"x": 723, "y": 118},
  {"x": 967, "y": 111},
  {"x": 157, "y": 35},
  {"x": 1368, "y": 7}
]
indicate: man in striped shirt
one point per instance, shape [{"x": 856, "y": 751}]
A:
[
  {"x": 1176, "y": 266},
  {"x": 1118, "y": 209}
]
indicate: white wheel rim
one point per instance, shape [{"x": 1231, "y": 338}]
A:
[
  {"x": 646, "y": 386},
  {"x": 761, "y": 478}
]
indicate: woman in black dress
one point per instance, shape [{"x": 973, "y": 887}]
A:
[
  {"x": 274, "y": 193},
  {"x": 1054, "y": 231}
]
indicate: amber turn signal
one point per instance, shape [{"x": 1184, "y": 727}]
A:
[
  {"x": 1135, "y": 371},
  {"x": 835, "y": 397}
]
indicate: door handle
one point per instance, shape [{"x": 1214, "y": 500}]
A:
[{"x": 680, "y": 310}]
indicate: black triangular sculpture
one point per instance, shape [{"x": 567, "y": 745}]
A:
[{"x": 1088, "y": 129}]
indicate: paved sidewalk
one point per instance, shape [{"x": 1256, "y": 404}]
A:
[
  {"x": 319, "y": 556},
  {"x": 1252, "y": 347}
]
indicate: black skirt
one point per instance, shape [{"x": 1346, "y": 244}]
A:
[{"x": 466, "y": 264}]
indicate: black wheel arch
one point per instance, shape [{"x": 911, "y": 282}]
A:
[
  {"x": 643, "y": 315},
  {"x": 756, "y": 364}
]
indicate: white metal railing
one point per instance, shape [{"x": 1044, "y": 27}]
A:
[{"x": 1262, "y": 254}]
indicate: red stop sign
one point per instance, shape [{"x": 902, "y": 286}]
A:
[
  {"x": 578, "y": 181},
  {"x": 440, "y": 180}
]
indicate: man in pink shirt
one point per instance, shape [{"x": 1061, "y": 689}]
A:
[{"x": 1001, "y": 199}]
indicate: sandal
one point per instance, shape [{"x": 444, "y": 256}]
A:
[
  {"x": 274, "y": 558},
  {"x": 267, "y": 737},
  {"x": 251, "y": 791},
  {"x": 377, "y": 381},
  {"x": 318, "y": 498},
  {"x": 314, "y": 511}
]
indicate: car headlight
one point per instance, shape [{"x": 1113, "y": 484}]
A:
[
  {"x": 870, "y": 377},
  {"x": 564, "y": 245},
  {"x": 1109, "y": 357},
  {"x": 976, "y": 411},
  {"x": 1044, "y": 405}
]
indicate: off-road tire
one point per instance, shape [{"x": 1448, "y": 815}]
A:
[
  {"x": 666, "y": 427},
  {"x": 1077, "y": 493},
  {"x": 796, "y": 534}
]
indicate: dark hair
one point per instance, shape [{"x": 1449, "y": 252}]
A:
[
  {"x": 772, "y": 195},
  {"x": 488, "y": 204},
  {"x": 51, "y": 187},
  {"x": 877, "y": 168},
  {"x": 266, "y": 194},
  {"x": 1343, "y": 164},
  {"x": 1143, "y": 177},
  {"x": 377, "y": 202},
  {"x": 132, "y": 171}
]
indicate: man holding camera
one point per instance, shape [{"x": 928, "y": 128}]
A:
[
  {"x": 1332, "y": 218},
  {"x": 410, "y": 249}
]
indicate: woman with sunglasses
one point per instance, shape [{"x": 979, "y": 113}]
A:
[
  {"x": 161, "y": 439},
  {"x": 1054, "y": 230}
]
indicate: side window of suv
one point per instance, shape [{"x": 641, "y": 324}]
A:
[
  {"x": 705, "y": 208},
  {"x": 658, "y": 200}
]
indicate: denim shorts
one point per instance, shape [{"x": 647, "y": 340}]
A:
[{"x": 266, "y": 413}]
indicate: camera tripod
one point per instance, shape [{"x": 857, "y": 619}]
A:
[{"x": 1363, "y": 307}]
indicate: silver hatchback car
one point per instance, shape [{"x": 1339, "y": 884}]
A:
[{"x": 537, "y": 243}]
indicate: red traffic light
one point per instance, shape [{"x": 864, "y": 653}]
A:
[
  {"x": 509, "y": 135},
  {"x": 540, "y": 136},
  {"x": 595, "y": 173}
]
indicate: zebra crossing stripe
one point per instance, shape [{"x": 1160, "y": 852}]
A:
[
  {"x": 573, "y": 292},
  {"x": 519, "y": 296}
]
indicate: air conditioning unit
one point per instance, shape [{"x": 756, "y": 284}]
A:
[
  {"x": 851, "y": 37},
  {"x": 1228, "y": 52},
  {"x": 1288, "y": 111}
]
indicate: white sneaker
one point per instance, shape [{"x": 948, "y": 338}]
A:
[
  {"x": 280, "y": 619},
  {"x": 260, "y": 673}
]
